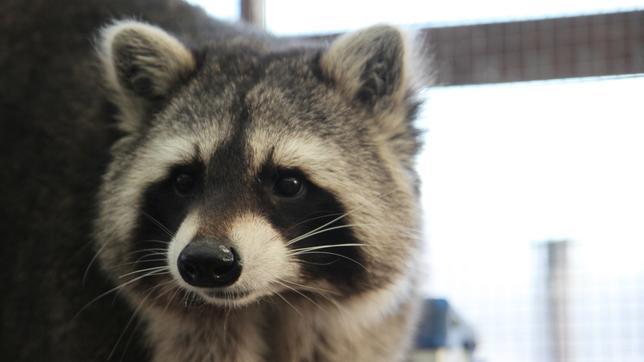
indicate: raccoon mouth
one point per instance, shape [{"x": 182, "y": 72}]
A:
[
  {"x": 227, "y": 294},
  {"x": 218, "y": 297}
]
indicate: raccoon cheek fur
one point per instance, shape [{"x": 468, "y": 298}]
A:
[{"x": 262, "y": 202}]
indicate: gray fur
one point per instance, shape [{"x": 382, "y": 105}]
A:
[{"x": 342, "y": 113}]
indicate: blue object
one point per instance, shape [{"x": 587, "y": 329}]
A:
[
  {"x": 432, "y": 331},
  {"x": 441, "y": 327}
]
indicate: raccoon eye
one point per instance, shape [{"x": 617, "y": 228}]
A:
[
  {"x": 184, "y": 184},
  {"x": 288, "y": 187}
]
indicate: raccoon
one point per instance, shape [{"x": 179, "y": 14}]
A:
[{"x": 258, "y": 199}]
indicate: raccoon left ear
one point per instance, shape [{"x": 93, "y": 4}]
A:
[
  {"x": 371, "y": 64},
  {"x": 141, "y": 65}
]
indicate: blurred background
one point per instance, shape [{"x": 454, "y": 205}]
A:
[{"x": 533, "y": 169}]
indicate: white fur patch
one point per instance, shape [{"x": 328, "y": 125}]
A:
[
  {"x": 184, "y": 235},
  {"x": 262, "y": 250},
  {"x": 318, "y": 159},
  {"x": 263, "y": 253},
  {"x": 151, "y": 165}
]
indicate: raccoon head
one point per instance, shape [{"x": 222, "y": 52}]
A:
[{"x": 250, "y": 170}]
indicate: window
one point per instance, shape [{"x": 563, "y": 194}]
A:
[
  {"x": 508, "y": 168},
  {"x": 222, "y": 9},
  {"x": 533, "y": 168},
  {"x": 289, "y": 17}
]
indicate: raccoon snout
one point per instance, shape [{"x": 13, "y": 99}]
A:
[{"x": 208, "y": 264}]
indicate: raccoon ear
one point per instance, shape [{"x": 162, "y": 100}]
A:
[
  {"x": 141, "y": 65},
  {"x": 370, "y": 65}
]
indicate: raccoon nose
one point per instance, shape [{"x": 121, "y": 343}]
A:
[{"x": 208, "y": 264}]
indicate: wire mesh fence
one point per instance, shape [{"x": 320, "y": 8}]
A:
[
  {"x": 581, "y": 46},
  {"x": 533, "y": 192},
  {"x": 531, "y": 294}
]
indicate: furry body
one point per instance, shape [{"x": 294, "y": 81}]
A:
[{"x": 236, "y": 110}]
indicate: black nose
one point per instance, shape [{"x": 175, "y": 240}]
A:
[{"x": 209, "y": 264}]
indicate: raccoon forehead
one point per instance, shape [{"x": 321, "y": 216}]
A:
[
  {"x": 160, "y": 153},
  {"x": 317, "y": 158},
  {"x": 180, "y": 136}
]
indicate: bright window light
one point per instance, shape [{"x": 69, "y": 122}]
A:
[
  {"x": 508, "y": 166},
  {"x": 306, "y": 17},
  {"x": 223, "y": 9}
]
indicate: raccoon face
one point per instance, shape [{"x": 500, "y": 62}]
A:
[{"x": 249, "y": 174}]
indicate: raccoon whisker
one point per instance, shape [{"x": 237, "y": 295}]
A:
[
  {"x": 313, "y": 218},
  {"x": 154, "y": 253},
  {"x": 225, "y": 329},
  {"x": 139, "y": 277},
  {"x": 318, "y": 231},
  {"x": 320, "y": 227},
  {"x": 319, "y": 247},
  {"x": 191, "y": 297},
  {"x": 324, "y": 293},
  {"x": 160, "y": 272},
  {"x": 406, "y": 231},
  {"x": 185, "y": 298},
  {"x": 289, "y": 303},
  {"x": 139, "y": 261},
  {"x": 149, "y": 256},
  {"x": 277, "y": 280},
  {"x": 399, "y": 230},
  {"x": 313, "y": 263},
  {"x": 188, "y": 296},
  {"x": 310, "y": 288},
  {"x": 109, "y": 357},
  {"x": 138, "y": 324},
  {"x": 167, "y": 288},
  {"x": 139, "y": 321},
  {"x": 117, "y": 288},
  {"x": 392, "y": 227},
  {"x": 162, "y": 242},
  {"x": 156, "y": 268},
  {"x": 314, "y": 232},
  {"x": 146, "y": 249},
  {"x": 86, "y": 273},
  {"x": 336, "y": 254},
  {"x": 149, "y": 251},
  {"x": 159, "y": 224},
  {"x": 167, "y": 305}
]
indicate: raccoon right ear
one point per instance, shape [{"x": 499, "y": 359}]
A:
[
  {"x": 141, "y": 65},
  {"x": 371, "y": 65}
]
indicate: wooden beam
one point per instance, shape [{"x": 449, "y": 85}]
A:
[{"x": 253, "y": 12}]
